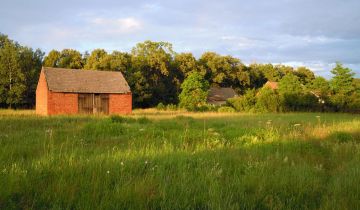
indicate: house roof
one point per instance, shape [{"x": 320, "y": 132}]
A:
[
  {"x": 272, "y": 85},
  {"x": 85, "y": 81},
  {"x": 219, "y": 95}
]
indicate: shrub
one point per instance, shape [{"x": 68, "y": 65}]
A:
[
  {"x": 206, "y": 108},
  {"x": 308, "y": 102},
  {"x": 226, "y": 109},
  {"x": 160, "y": 106},
  {"x": 267, "y": 101},
  {"x": 244, "y": 103},
  {"x": 194, "y": 91}
]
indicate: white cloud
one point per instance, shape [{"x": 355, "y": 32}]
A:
[
  {"x": 243, "y": 43},
  {"x": 118, "y": 25}
]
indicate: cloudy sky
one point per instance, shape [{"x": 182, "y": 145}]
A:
[{"x": 314, "y": 33}]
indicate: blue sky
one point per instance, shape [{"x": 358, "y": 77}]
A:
[{"x": 314, "y": 33}]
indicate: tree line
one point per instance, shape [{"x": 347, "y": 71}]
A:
[{"x": 155, "y": 73}]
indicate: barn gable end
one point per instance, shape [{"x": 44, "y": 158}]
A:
[{"x": 42, "y": 95}]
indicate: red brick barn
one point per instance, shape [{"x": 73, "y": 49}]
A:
[{"x": 70, "y": 91}]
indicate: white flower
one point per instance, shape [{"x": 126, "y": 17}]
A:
[
  {"x": 216, "y": 134},
  {"x": 108, "y": 172},
  {"x": 146, "y": 162},
  {"x": 121, "y": 163}
]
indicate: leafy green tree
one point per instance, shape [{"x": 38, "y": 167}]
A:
[
  {"x": 342, "y": 86},
  {"x": 185, "y": 63},
  {"x": 225, "y": 71},
  {"x": 70, "y": 58},
  {"x": 290, "y": 84},
  {"x": 342, "y": 81},
  {"x": 52, "y": 59},
  {"x": 221, "y": 70},
  {"x": 320, "y": 86},
  {"x": 194, "y": 91},
  {"x": 95, "y": 60},
  {"x": 306, "y": 76},
  {"x": 257, "y": 77},
  {"x": 290, "y": 90},
  {"x": 31, "y": 63},
  {"x": 283, "y": 70},
  {"x": 12, "y": 79},
  {"x": 268, "y": 71},
  {"x": 153, "y": 80},
  {"x": 119, "y": 61}
]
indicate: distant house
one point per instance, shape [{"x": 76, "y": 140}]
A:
[
  {"x": 70, "y": 91},
  {"x": 219, "y": 95},
  {"x": 272, "y": 85}
]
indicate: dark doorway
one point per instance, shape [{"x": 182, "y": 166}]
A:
[{"x": 90, "y": 103}]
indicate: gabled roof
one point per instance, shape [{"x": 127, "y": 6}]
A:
[
  {"x": 272, "y": 85},
  {"x": 219, "y": 95},
  {"x": 85, "y": 81}
]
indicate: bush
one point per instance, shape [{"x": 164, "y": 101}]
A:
[
  {"x": 194, "y": 92},
  {"x": 267, "y": 101},
  {"x": 308, "y": 102},
  {"x": 160, "y": 106},
  {"x": 243, "y": 103},
  {"x": 206, "y": 108},
  {"x": 226, "y": 109}
]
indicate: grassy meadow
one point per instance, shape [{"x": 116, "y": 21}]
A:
[{"x": 179, "y": 160}]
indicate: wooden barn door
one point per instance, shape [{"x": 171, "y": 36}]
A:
[
  {"x": 104, "y": 103},
  {"x": 93, "y": 103},
  {"x": 85, "y": 103},
  {"x": 101, "y": 103}
]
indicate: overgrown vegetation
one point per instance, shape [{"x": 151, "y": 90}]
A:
[
  {"x": 180, "y": 160},
  {"x": 156, "y": 74},
  {"x": 293, "y": 95}
]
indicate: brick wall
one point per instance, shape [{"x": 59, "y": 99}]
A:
[
  {"x": 62, "y": 103},
  {"x": 120, "y": 103},
  {"x": 41, "y": 95}
]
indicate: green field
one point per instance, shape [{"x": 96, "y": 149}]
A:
[{"x": 177, "y": 160}]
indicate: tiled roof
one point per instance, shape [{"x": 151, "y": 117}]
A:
[
  {"x": 85, "y": 81},
  {"x": 219, "y": 95}
]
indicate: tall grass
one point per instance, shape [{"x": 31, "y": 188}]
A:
[{"x": 180, "y": 161}]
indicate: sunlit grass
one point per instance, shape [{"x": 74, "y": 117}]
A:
[{"x": 180, "y": 160}]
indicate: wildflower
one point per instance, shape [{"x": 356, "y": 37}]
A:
[
  {"x": 108, "y": 172},
  {"x": 121, "y": 163},
  {"x": 146, "y": 162}
]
